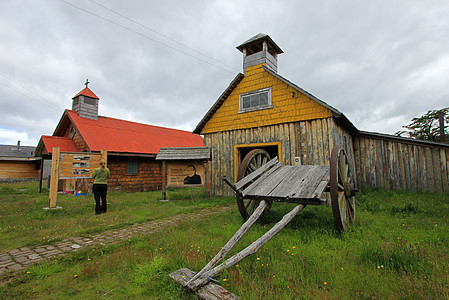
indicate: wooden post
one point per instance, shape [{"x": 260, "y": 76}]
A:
[
  {"x": 206, "y": 178},
  {"x": 41, "y": 174},
  {"x": 54, "y": 177},
  {"x": 104, "y": 155},
  {"x": 164, "y": 175}
]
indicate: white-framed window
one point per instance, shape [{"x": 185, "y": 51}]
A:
[{"x": 255, "y": 100}]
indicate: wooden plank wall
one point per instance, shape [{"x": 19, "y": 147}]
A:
[
  {"x": 15, "y": 169},
  {"x": 310, "y": 140},
  {"x": 397, "y": 164}
]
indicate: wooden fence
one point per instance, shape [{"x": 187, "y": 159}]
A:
[{"x": 399, "y": 163}]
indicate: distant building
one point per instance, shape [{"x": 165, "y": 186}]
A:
[
  {"x": 18, "y": 162},
  {"x": 132, "y": 147}
]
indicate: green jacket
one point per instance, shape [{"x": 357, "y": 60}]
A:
[{"x": 100, "y": 176}]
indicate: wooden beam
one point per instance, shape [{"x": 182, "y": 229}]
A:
[
  {"x": 164, "y": 181},
  {"x": 231, "y": 243},
  {"x": 206, "y": 178},
  {"x": 41, "y": 174},
  {"x": 54, "y": 177},
  {"x": 251, "y": 249},
  {"x": 104, "y": 155},
  {"x": 210, "y": 291}
]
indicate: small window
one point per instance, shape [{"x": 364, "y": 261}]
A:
[
  {"x": 90, "y": 101},
  {"x": 256, "y": 100},
  {"x": 133, "y": 165},
  {"x": 72, "y": 132}
]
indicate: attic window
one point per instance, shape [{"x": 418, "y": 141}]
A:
[{"x": 255, "y": 100}]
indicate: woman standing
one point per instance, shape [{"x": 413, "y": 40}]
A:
[{"x": 100, "y": 188}]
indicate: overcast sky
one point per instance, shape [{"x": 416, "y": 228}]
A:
[{"x": 165, "y": 63}]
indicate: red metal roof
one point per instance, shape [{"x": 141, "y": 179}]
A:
[
  {"x": 87, "y": 92},
  {"x": 66, "y": 144},
  {"x": 117, "y": 135}
]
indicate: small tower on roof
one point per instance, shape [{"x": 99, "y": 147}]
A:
[
  {"x": 85, "y": 103},
  {"x": 258, "y": 50}
]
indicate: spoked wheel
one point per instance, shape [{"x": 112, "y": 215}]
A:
[
  {"x": 342, "y": 189},
  {"x": 252, "y": 161}
]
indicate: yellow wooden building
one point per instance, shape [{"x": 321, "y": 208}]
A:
[{"x": 262, "y": 110}]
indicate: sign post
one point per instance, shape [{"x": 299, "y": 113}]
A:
[
  {"x": 71, "y": 165},
  {"x": 54, "y": 178}
]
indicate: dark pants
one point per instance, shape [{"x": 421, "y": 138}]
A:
[{"x": 100, "y": 191}]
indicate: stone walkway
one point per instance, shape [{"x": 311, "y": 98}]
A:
[{"x": 18, "y": 259}]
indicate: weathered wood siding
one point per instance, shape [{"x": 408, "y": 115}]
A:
[
  {"x": 289, "y": 105},
  {"x": 399, "y": 164},
  {"x": 18, "y": 169},
  {"x": 311, "y": 140}
]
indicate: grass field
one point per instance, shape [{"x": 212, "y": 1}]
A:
[{"x": 398, "y": 248}]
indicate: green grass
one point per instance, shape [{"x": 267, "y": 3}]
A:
[
  {"x": 24, "y": 222},
  {"x": 397, "y": 249}
]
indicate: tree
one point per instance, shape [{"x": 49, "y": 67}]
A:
[{"x": 427, "y": 126}]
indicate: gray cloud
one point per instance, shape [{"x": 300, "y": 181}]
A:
[{"x": 379, "y": 62}]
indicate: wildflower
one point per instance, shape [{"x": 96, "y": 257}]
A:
[
  {"x": 403, "y": 224},
  {"x": 294, "y": 247},
  {"x": 325, "y": 283},
  {"x": 288, "y": 250},
  {"x": 262, "y": 265},
  {"x": 236, "y": 266},
  {"x": 74, "y": 276},
  {"x": 293, "y": 254},
  {"x": 378, "y": 267},
  {"x": 258, "y": 258},
  {"x": 28, "y": 272},
  {"x": 198, "y": 247},
  {"x": 88, "y": 259},
  {"x": 274, "y": 276},
  {"x": 183, "y": 277},
  {"x": 160, "y": 248},
  {"x": 224, "y": 279}
]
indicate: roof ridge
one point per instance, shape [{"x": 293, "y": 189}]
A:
[{"x": 122, "y": 120}]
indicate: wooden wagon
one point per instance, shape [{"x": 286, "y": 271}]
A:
[{"x": 261, "y": 182}]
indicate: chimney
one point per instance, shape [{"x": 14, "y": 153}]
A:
[
  {"x": 18, "y": 145},
  {"x": 260, "y": 49},
  {"x": 85, "y": 103}
]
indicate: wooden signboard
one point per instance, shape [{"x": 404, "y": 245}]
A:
[
  {"x": 184, "y": 174},
  {"x": 187, "y": 173},
  {"x": 72, "y": 165},
  {"x": 78, "y": 165}
]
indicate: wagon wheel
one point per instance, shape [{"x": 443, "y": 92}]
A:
[
  {"x": 342, "y": 189},
  {"x": 252, "y": 161}
]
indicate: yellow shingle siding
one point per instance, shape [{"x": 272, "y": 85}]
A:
[{"x": 284, "y": 110}]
